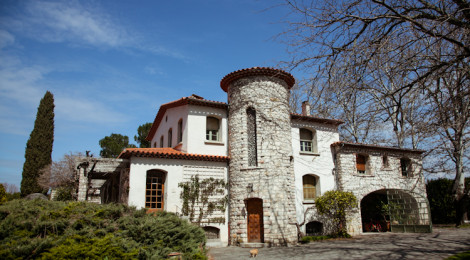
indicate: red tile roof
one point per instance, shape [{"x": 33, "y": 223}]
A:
[
  {"x": 170, "y": 153},
  {"x": 316, "y": 119},
  {"x": 191, "y": 100},
  {"x": 257, "y": 71},
  {"x": 376, "y": 147}
]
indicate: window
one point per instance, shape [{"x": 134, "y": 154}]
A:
[
  {"x": 170, "y": 137},
  {"x": 361, "y": 161},
  {"x": 385, "y": 161},
  {"x": 307, "y": 141},
  {"x": 154, "y": 192},
  {"x": 405, "y": 165},
  {"x": 310, "y": 187},
  {"x": 251, "y": 137},
  {"x": 212, "y": 129},
  {"x": 161, "y": 141},
  {"x": 180, "y": 131},
  {"x": 154, "y": 144}
]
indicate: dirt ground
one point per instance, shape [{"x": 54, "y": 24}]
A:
[{"x": 439, "y": 244}]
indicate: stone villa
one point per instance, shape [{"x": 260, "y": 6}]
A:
[{"x": 275, "y": 162}]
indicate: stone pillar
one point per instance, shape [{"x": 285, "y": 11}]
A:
[{"x": 271, "y": 177}]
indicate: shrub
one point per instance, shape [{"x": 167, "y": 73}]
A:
[
  {"x": 80, "y": 230},
  {"x": 335, "y": 205}
]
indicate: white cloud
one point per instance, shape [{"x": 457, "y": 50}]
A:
[
  {"x": 80, "y": 110},
  {"x": 6, "y": 39},
  {"x": 69, "y": 21}
]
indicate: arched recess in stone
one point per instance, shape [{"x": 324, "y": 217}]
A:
[
  {"x": 386, "y": 208},
  {"x": 314, "y": 228},
  {"x": 212, "y": 232}
]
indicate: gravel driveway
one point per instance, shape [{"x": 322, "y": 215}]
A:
[{"x": 440, "y": 244}]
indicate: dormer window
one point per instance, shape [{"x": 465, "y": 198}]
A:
[{"x": 212, "y": 129}]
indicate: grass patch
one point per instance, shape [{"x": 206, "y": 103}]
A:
[
  {"x": 460, "y": 256},
  {"x": 82, "y": 230},
  {"x": 308, "y": 239}
]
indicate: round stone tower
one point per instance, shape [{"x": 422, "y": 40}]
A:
[{"x": 261, "y": 173}]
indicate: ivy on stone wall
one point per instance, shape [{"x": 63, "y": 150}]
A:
[
  {"x": 200, "y": 198},
  {"x": 335, "y": 204}
]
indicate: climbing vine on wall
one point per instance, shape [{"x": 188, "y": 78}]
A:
[{"x": 201, "y": 198}]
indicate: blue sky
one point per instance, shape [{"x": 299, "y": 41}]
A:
[{"x": 111, "y": 64}]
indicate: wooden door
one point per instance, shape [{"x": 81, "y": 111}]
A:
[{"x": 255, "y": 221}]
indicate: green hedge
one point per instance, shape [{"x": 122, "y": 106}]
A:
[{"x": 79, "y": 230}]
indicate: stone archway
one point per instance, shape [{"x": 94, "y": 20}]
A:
[{"x": 394, "y": 210}]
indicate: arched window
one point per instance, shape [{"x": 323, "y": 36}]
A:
[
  {"x": 212, "y": 129},
  {"x": 361, "y": 163},
  {"x": 307, "y": 141},
  {"x": 170, "y": 137},
  {"x": 154, "y": 192},
  {"x": 154, "y": 144},
  {"x": 251, "y": 137},
  {"x": 180, "y": 131},
  {"x": 161, "y": 141},
  {"x": 310, "y": 186}
]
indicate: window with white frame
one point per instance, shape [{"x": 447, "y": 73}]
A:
[
  {"x": 307, "y": 141},
  {"x": 212, "y": 129}
]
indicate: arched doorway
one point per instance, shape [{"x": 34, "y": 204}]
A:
[
  {"x": 374, "y": 212},
  {"x": 392, "y": 210},
  {"x": 255, "y": 227}
]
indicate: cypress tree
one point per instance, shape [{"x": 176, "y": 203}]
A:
[{"x": 39, "y": 146}]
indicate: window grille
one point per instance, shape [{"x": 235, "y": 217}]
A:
[{"x": 251, "y": 136}]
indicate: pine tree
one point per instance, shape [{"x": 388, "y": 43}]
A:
[{"x": 39, "y": 146}]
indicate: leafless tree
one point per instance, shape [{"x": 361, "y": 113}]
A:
[
  {"x": 10, "y": 188},
  {"x": 411, "y": 56},
  {"x": 60, "y": 173}
]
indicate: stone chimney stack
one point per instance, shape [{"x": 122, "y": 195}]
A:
[{"x": 305, "y": 108}]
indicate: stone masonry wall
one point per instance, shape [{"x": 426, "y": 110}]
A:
[
  {"x": 273, "y": 178},
  {"x": 379, "y": 177}
]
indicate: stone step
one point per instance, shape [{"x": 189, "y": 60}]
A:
[{"x": 252, "y": 245}]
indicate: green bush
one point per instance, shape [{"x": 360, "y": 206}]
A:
[
  {"x": 3, "y": 194},
  {"x": 336, "y": 204},
  {"x": 64, "y": 194},
  {"x": 439, "y": 193},
  {"x": 80, "y": 230}
]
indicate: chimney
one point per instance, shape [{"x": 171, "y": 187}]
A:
[{"x": 305, "y": 108}]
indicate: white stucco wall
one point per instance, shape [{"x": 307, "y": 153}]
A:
[
  {"x": 177, "y": 171},
  {"x": 320, "y": 164},
  {"x": 170, "y": 120},
  {"x": 196, "y": 141}
]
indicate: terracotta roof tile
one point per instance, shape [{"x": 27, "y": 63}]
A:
[
  {"x": 257, "y": 71},
  {"x": 316, "y": 119},
  {"x": 170, "y": 153},
  {"x": 373, "y": 146}
]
